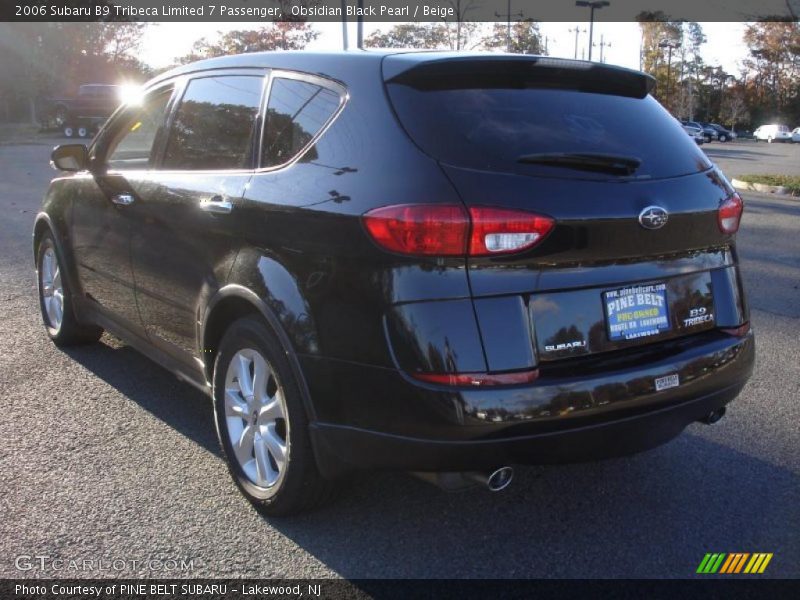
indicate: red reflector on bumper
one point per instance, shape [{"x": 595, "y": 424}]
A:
[
  {"x": 478, "y": 379},
  {"x": 737, "y": 331}
]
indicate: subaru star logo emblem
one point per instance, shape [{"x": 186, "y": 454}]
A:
[{"x": 653, "y": 217}]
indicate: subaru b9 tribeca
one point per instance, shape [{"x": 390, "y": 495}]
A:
[{"x": 439, "y": 263}]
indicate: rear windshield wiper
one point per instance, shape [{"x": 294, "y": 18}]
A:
[{"x": 586, "y": 161}]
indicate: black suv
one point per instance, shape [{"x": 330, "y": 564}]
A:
[
  {"x": 439, "y": 263},
  {"x": 723, "y": 135}
]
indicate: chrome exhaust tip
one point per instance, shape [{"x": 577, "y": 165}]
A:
[
  {"x": 714, "y": 416},
  {"x": 500, "y": 479},
  {"x": 494, "y": 481}
]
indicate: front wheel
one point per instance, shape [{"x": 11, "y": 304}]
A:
[
  {"x": 723, "y": 138},
  {"x": 261, "y": 422},
  {"x": 55, "y": 299}
]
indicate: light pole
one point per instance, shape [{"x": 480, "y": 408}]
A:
[
  {"x": 723, "y": 79},
  {"x": 360, "y": 25},
  {"x": 508, "y": 16},
  {"x": 671, "y": 44},
  {"x": 603, "y": 44},
  {"x": 593, "y": 6},
  {"x": 577, "y": 31},
  {"x": 344, "y": 25}
]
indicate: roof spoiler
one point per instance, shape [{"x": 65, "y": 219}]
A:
[{"x": 504, "y": 71}]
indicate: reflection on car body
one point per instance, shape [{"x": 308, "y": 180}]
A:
[{"x": 395, "y": 260}]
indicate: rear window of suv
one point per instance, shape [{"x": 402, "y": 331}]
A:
[{"x": 487, "y": 118}]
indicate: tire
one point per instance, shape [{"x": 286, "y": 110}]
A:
[
  {"x": 69, "y": 131},
  {"x": 274, "y": 466},
  {"x": 55, "y": 299},
  {"x": 707, "y": 139},
  {"x": 723, "y": 138}
]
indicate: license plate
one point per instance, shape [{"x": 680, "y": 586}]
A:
[
  {"x": 636, "y": 311},
  {"x": 666, "y": 382}
]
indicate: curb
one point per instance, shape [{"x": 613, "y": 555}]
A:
[{"x": 761, "y": 187}]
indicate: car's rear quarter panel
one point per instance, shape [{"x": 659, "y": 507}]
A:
[{"x": 304, "y": 222}]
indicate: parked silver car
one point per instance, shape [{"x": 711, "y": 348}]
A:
[{"x": 695, "y": 132}]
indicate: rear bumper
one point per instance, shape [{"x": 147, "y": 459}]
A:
[
  {"x": 363, "y": 449},
  {"x": 602, "y": 414}
]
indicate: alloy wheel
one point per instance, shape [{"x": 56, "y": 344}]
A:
[
  {"x": 52, "y": 289},
  {"x": 255, "y": 413}
]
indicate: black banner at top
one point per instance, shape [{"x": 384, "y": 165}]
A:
[{"x": 397, "y": 10}]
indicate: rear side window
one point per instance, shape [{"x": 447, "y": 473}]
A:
[
  {"x": 296, "y": 112},
  {"x": 214, "y": 125},
  {"x": 489, "y": 122}
]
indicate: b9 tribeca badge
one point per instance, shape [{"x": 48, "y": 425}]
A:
[{"x": 698, "y": 316}]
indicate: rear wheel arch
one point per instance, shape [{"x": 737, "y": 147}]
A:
[{"x": 231, "y": 303}]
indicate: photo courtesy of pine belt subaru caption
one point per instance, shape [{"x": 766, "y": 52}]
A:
[{"x": 446, "y": 264}]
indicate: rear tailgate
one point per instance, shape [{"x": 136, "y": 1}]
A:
[{"x": 606, "y": 277}]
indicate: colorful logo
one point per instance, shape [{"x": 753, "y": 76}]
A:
[{"x": 736, "y": 562}]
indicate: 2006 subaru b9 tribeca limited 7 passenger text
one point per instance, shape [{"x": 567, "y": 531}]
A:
[{"x": 420, "y": 261}]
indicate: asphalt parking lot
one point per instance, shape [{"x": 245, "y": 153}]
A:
[
  {"x": 744, "y": 157},
  {"x": 104, "y": 455}
]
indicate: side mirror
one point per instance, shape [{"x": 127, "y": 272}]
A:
[{"x": 69, "y": 157}]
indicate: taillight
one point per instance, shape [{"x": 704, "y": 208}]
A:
[
  {"x": 437, "y": 229},
  {"x": 730, "y": 213},
  {"x": 499, "y": 231},
  {"x": 449, "y": 230},
  {"x": 478, "y": 379}
]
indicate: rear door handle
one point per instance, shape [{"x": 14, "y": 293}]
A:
[
  {"x": 123, "y": 199},
  {"x": 217, "y": 205}
]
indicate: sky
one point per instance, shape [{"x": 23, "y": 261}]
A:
[{"x": 166, "y": 41}]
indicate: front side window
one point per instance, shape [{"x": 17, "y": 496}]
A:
[
  {"x": 297, "y": 111},
  {"x": 215, "y": 124},
  {"x": 131, "y": 147}
]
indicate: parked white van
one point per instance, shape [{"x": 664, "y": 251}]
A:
[{"x": 773, "y": 133}]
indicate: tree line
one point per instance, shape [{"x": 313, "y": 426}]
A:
[
  {"x": 42, "y": 60},
  {"x": 766, "y": 88}
]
